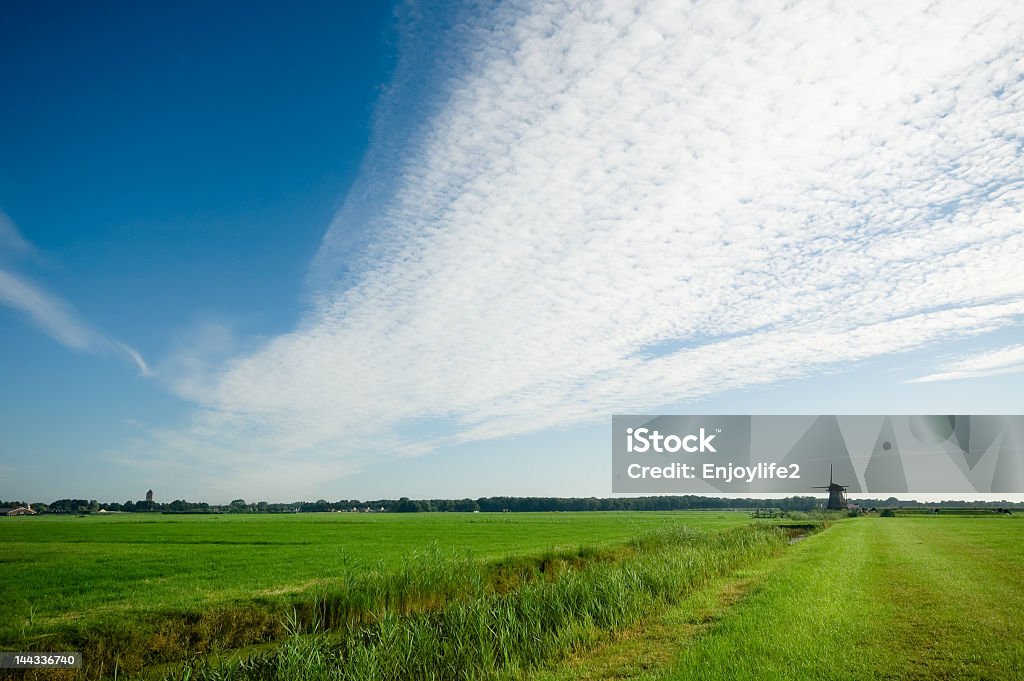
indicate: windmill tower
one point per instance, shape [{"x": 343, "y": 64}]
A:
[{"x": 836, "y": 494}]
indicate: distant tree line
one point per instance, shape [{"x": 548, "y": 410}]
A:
[{"x": 487, "y": 505}]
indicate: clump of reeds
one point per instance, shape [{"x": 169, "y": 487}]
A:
[{"x": 441, "y": 619}]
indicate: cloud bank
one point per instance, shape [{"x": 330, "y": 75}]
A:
[{"x": 572, "y": 210}]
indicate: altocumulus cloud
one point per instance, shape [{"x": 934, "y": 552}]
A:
[{"x": 570, "y": 210}]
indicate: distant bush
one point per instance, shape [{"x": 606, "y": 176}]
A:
[{"x": 888, "y": 513}]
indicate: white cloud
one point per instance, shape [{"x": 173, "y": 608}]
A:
[
  {"x": 134, "y": 356},
  {"x": 774, "y": 190},
  {"x": 48, "y": 312},
  {"x": 992, "y": 363}
]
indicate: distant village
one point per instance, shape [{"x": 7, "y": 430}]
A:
[{"x": 484, "y": 504}]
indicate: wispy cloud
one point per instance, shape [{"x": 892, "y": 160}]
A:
[
  {"x": 10, "y": 238},
  {"x": 611, "y": 208},
  {"x": 197, "y": 353},
  {"x": 135, "y": 356},
  {"x": 51, "y": 314},
  {"x": 992, "y": 363}
]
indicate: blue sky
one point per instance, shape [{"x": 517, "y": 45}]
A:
[{"x": 427, "y": 249}]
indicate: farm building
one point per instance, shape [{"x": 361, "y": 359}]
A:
[{"x": 20, "y": 510}]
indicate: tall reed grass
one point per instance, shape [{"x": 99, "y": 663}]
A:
[{"x": 448, "y": 617}]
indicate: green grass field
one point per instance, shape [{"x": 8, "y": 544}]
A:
[
  {"x": 68, "y": 578},
  {"x": 896, "y": 598},
  {"x": 61, "y": 568},
  {"x": 870, "y": 598},
  {"x": 549, "y": 597}
]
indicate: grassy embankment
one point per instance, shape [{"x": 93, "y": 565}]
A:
[{"x": 873, "y": 598}]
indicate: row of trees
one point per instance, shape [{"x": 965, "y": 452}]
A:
[
  {"x": 538, "y": 504},
  {"x": 486, "y": 505},
  {"x": 407, "y": 505},
  {"x": 12, "y": 504}
]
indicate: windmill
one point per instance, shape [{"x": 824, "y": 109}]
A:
[{"x": 836, "y": 493}]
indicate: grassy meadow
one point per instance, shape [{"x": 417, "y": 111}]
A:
[
  {"x": 544, "y": 597},
  {"x": 143, "y": 587},
  {"x": 64, "y": 568}
]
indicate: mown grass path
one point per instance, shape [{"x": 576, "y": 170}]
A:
[
  {"x": 871, "y": 598},
  {"x": 954, "y": 598}
]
